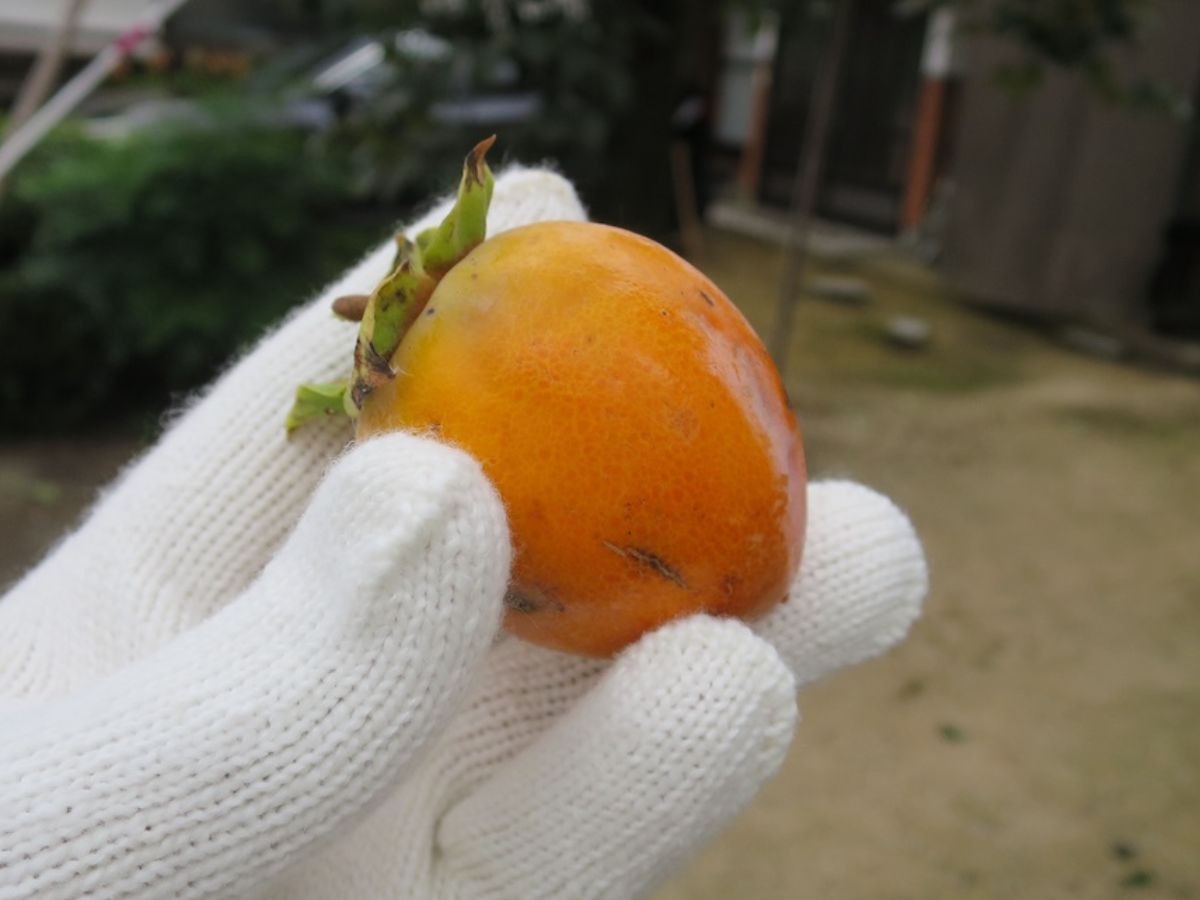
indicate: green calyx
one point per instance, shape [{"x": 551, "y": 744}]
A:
[
  {"x": 400, "y": 297},
  {"x": 317, "y": 401}
]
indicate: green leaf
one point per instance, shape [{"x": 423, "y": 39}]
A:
[
  {"x": 465, "y": 226},
  {"x": 418, "y": 266},
  {"x": 317, "y": 401}
]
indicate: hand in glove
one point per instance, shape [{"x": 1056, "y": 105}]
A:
[{"x": 249, "y": 674}]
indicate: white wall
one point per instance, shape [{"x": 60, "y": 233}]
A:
[
  {"x": 744, "y": 52},
  {"x": 25, "y": 24}
]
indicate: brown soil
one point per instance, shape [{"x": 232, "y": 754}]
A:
[{"x": 1038, "y": 735}]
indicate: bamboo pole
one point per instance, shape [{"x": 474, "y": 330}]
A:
[
  {"x": 49, "y": 63},
  {"x": 70, "y": 95}
]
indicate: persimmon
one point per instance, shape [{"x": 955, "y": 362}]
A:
[{"x": 629, "y": 417}]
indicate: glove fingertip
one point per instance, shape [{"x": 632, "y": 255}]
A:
[
  {"x": 526, "y": 195},
  {"x": 861, "y": 585},
  {"x": 664, "y": 750},
  {"x": 717, "y": 664}
]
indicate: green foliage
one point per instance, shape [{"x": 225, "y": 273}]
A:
[
  {"x": 1078, "y": 36},
  {"x": 607, "y": 74},
  {"x": 131, "y": 270},
  {"x": 577, "y": 68},
  {"x": 1069, "y": 33}
]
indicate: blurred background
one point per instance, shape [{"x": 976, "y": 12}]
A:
[{"x": 969, "y": 230}]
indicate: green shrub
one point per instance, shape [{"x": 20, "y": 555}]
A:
[{"x": 132, "y": 270}]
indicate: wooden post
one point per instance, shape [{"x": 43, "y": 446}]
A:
[
  {"x": 750, "y": 164},
  {"x": 808, "y": 178},
  {"x": 923, "y": 157},
  {"x": 686, "y": 209},
  {"x": 937, "y": 63}
]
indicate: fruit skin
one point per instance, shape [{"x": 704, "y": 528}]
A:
[{"x": 630, "y": 419}]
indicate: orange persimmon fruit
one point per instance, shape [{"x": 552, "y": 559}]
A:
[{"x": 627, "y": 414}]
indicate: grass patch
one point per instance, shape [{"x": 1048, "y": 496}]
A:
[
  {"x": 951, "y": 733},
  {"x": 1138, "y": 878},
  {"x": 1124, "y": 422},
  {"x": 952, "y": 363}
]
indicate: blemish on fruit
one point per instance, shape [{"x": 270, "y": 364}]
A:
[
  {"x": 651, "y": 561},
  {"x": 377, "y": 362},
  {"x": 707, "y": 299},
  {"x": 531, "y": 599}
]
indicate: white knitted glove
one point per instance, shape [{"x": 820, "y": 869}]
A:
[{"x": 204, "y": 691}]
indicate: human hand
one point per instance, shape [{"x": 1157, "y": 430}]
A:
[{"x": 192, "y": 705}]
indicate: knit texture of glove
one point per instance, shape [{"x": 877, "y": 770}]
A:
[
  {"x": 569, "y": 777},
  {"x": 210, "y": 763},
  {"x": 192, "y": 523},
  {"x": 237, "y": 679}
]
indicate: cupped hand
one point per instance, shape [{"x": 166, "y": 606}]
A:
[{"x": 251, "y": 672}]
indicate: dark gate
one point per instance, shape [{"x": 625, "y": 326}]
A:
[
  {"x": 872, "y": 128},
  {"x": 1175, "y": 288}
]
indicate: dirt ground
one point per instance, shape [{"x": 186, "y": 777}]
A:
[{"x": 1039, "y": 733}]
